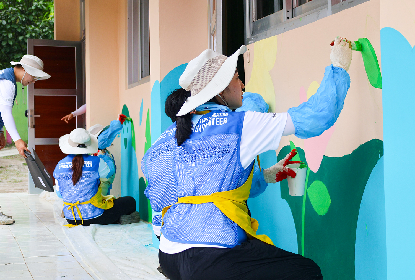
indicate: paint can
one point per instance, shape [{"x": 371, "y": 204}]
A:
[{"x": 297, "y": 185}]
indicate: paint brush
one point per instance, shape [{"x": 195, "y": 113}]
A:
[{"x": 370, "y": 60}]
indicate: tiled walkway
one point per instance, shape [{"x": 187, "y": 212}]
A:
[
  {"x": 38, "y": 247},
  {"x": 35, "y": 247}
]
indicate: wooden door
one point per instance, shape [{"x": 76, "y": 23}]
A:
[{"x": 49, "y": 100}]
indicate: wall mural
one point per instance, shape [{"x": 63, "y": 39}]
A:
[
  {"x": 129, "y": 169},
  {"x": 398, "y": 60},
  {"x": 333, "y": 217},
  {"x": 340, "y": 220},
  {"x": 131, "y": 183}
]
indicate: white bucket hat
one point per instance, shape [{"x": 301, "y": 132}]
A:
[
  {"x": 96, "y": 129},
  {"x": 79, "y": 141},
  {"x": 32, "y": 65},
  {"x": 206, "y": 76}
]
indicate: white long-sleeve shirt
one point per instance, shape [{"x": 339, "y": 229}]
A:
[{"x": 7, "y": 89}]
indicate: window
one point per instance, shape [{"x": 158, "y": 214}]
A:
[
  {"x": 265, "y": 18},
  {"x": 138, "y": 41},
  {"x": 215, "y": 25},
  {"x": 263, "y": 8}
]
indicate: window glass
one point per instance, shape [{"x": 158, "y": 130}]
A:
[
  {"x": 267, "y": 7},
  {"x": 138, "y": 41}
]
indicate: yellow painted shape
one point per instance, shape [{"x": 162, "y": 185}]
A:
[
  {"x": 312, "y": 89},
  {"x": 265, "y": 55}
]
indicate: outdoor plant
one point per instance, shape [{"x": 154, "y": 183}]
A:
[{"x": 21, "y": 20}]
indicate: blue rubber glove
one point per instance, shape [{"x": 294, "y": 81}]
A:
[{"x": 108, "y": 135}]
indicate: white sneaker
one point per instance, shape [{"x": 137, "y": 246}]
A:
[{"x": 6, "y": 220}]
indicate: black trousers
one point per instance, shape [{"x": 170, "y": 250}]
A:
[
  {"x": 253, "y": 259},
  {"x": 122, "y": 206}
]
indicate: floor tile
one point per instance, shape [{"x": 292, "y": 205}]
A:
[
  {"x": 5, "y": 269},
  {"x": 11, "y": 260}
]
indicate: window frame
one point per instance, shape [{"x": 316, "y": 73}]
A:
[
  {"x": 138, "y": 42},
  {"x": 290, "y": 17}
]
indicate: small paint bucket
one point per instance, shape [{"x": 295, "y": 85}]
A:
[{"x": 297, "y": 185}]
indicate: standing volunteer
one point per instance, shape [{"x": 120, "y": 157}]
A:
[{"x": 28, "y": 70}]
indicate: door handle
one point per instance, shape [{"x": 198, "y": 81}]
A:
[{"x": 32, "y": 117}]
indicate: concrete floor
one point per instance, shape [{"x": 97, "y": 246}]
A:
[{"x": 37, "y": 246}]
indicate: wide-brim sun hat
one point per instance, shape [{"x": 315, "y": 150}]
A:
[
  {"x": 32, "y": 65},
  {"x": 79, "y": 141},
  {"x": 96, "y": 129},
  {"x": 206, "y": 76}
]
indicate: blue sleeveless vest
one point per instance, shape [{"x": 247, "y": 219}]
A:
[
  {"x": 208, "y": 162},
  {"x": 84, "y": 189},
  {"x": 8, "y": 74}
]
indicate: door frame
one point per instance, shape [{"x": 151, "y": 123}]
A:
[{"x": 32, "y": 92}]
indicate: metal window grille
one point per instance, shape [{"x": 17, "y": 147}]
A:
[
  {"x": 265, "y": 18},
  {"x": 138, "y": 41}
]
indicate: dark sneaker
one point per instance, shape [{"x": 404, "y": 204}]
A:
[{"x": 129, "y": 219}]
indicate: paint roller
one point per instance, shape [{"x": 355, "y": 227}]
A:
[{"x": 370, "y": 61}]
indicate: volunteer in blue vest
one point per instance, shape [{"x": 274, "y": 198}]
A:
[
  {"x": 78, "y": 180},
  {"x": 208, "y": 156},
  {"x": 260, "y": 177},
  {"x": 28, "y": 70}
]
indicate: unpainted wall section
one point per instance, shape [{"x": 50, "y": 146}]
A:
[
  {"x": 102, "y": 69},
  {"x": 67, "y": 20},
  {"x": 340, "y": 221},
  {"x": 183, "y": 32}
]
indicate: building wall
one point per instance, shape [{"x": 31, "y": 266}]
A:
[
  {"x": 102, "y": 69},
  {"x": 67, "y": 20},
  {"x": 183, "y": 32},
  {"x": 340, "y": 221},
  {"x": 397, "y": 41}
]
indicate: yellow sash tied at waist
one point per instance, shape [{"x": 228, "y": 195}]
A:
[
  {"x": 98, "y": 200},
  {"x": 233, "y": 205}
]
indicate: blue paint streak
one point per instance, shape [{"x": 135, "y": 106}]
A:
[
  {"x": 169, "y": 83},
  {"x": 370, "y": 249},
  {"x": 159, "y": 120},
  {"x": 398, "y": 67},
  {"x": 273, "y": 213},
  {"x": 129, "y": 168},
  {"x": 141, "y": 110}
]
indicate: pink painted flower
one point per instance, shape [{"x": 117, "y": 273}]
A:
[{"x": 315, "y": 147}]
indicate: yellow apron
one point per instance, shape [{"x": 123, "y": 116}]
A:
[
  {"x": 233, "y": 205},
  {"x": 98, "y": 200}
]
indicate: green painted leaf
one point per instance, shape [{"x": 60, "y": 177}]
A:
[
  {"x": 319, "y": 197},
  {"x": 297, "y": 156}
]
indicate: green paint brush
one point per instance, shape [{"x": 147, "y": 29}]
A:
[{"x": 370, "y": 61}]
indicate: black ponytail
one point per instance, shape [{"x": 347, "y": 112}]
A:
[
  {"x": 183, "y": 128},
  {"x": 173, "y": 104}
]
